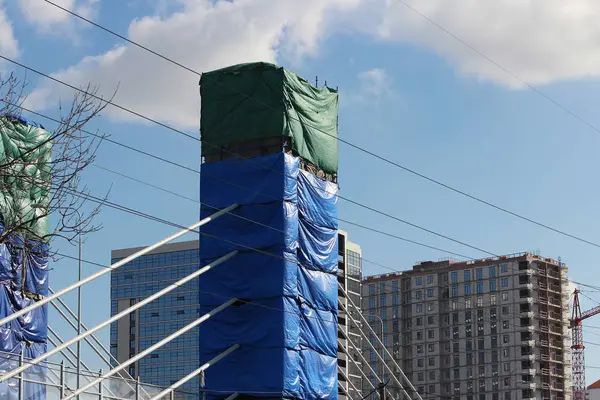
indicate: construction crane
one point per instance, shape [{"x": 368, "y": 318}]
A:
[{"x": 577, "y": 346}]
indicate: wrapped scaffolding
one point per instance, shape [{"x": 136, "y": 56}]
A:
[
  {"x": 25, "y": 151},
  {"x": 285, "y": 230}
]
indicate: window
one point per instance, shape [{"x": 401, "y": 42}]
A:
[
  {"x": 372, "y": 302},
  {"x": 505, "y": 339},
  {"x": 493, "y": 285},
  {"x": 469, "y": 345},
  {"x": 467, "y": 289},
  {"x": 431, "y": 347},
  {"x": 479, "y": 273},
  {"x": 455, "y": 319},
  {"x": 420, "y": 377},
  {"x": 479, "y": 288},
  {"x": 467, "y": 275},
  {"x": 419, "y": 335},
  {"x": 479, "y": 301},
  {"x": 420, "y": 362},
  {"x": 372, "y": 290},
  {"x": 504, "y": 282},
  {"x": 506, "y": 367},
  {"x": 454, "y": 305},
  {"x": 481, "y": 357},
  {"x": 468, "y": 303},
  {"x": 418, "y": 294},
  {"x": 506, "y": 353},
  {"x": 504, "y": 296},
  {"x": 431, "y": 334},
  {"x": 505, "y": 310},
  {"x": 492, "y": 299},
  {"x": 455, "y": 332},
  {"x": 432, "y": 375},
  {"x": 419, "y": 281},
  {"x": 430, "y": 306},
  {"x": 382, "y": 287},
  {"x": 395, "y": 286},
  {"x": 505, "y": 324},
  {"x": 420, "y": 307},
  {"x": 396, "y": 299},
  {"x": 419, "y": 349},
  {"x": 454, "y": 291},
  {"x": 506, "y": 382},
  {"x": 504, "y": 268},
  {"x": 454, "y": 277},
  {"x": 430, "y": 292},
  {"x": 382, "y": 301},
  {"x": 419, "y": 321},
  {"x": 480, "y": 344},
  {"x": 492, "y": 271},
  {"x": 431, "y": 320},
  {"x": 383, "y": 314},
  {"x": 429, "y": 279}
]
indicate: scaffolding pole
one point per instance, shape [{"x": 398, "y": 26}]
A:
[
  {"x": 120, "y": 315},
  {"x": 98, "y": 352},
  {"x": 116, "y": 265},
  {"x": 364, "y": 376},
  {"x": 195, "y": 373},
  {"x": 350, "y": 383},
  {"x": 364, "y": 360},
  {"x": 379, "y": 356},
  {"x": 410, "y": 385},
  {"x": 233, "y": 396},
  {"x": 152, "y": 348},
  {"x": 98, "y": 342}
]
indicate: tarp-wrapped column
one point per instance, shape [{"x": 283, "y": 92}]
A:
[
  {"x": 285, "y": 231},
  {"x": 25, "y": 159}
]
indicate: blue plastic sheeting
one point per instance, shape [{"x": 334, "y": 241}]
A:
[
  {"x": 251, "y": 276},
  {"x": 23, "y": 276},
  {"x": 25, "y": 121},
  {"x": 286, "y": 232}
]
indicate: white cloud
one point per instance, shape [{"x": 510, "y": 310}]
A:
[
  {"x": 47, "y": 17},
  {"x": 9, "y": 46},
  {"x": 203, "y": 36},
  {"x": 540, "y": 41},
  {"x": 373, "y": 86}
]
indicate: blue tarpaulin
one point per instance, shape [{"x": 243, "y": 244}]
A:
[
  {"x": 23, "y": 277},
  {"x": 286, "y": 232}
]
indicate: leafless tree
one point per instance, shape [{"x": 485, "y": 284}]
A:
[{"x": 51, "y": 169}]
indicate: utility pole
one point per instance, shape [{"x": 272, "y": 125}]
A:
[
  {"x": 79, "y": 306},
  {"x": 381, "y": 391}
]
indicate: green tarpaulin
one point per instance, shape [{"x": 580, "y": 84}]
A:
[
  {"x": 25, "y": 155},
  {"x": 257, "y": 101}
]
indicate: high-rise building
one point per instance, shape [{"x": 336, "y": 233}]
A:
[
  {"x": 349, "y": 278},
  {"x": 489, "y": 329},
  {"x": 148, "y": 274},
  {"x": 139, "y": 279}
]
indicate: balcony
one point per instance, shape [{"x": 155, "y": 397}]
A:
[
  {"x": 527, "y": 314},
  {"x": 529, "y": 371},
  {"x": 528, "y": 385},
  {"x": 528, "y": 342}
]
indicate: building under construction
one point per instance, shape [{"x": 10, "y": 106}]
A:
[{"x": 489, "y": 329}]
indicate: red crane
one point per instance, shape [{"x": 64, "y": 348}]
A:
[{"x": 577, "y": 346}]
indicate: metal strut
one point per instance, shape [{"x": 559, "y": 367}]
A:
[
  {"x": 114, "y": 266},
  {"x": 114, "y": 318},
  {"x": 152, "y": 348},
  {"x": 191, "y": 375}
]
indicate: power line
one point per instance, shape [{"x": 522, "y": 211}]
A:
[
  {"x": 246, "y": 159},
  {"x": 355, "y": 146},
  {"x": 162, "y": 159}
]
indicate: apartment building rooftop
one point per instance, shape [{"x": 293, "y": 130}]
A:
[{"x": 451, "y": 264}]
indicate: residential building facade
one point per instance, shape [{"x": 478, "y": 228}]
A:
[{"x": 489, "y": 329}]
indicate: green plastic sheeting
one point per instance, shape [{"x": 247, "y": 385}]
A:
[
  {"x": 254, "y": 101},
  {"x": 25, "y": 176}
]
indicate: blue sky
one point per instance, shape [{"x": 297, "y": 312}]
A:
[{"x": 409, "y": 92}]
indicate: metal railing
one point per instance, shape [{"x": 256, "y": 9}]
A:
[{"x": 54, "y": 381}]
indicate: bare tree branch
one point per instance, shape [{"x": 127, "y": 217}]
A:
[{"x": 29, "y": 174}]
